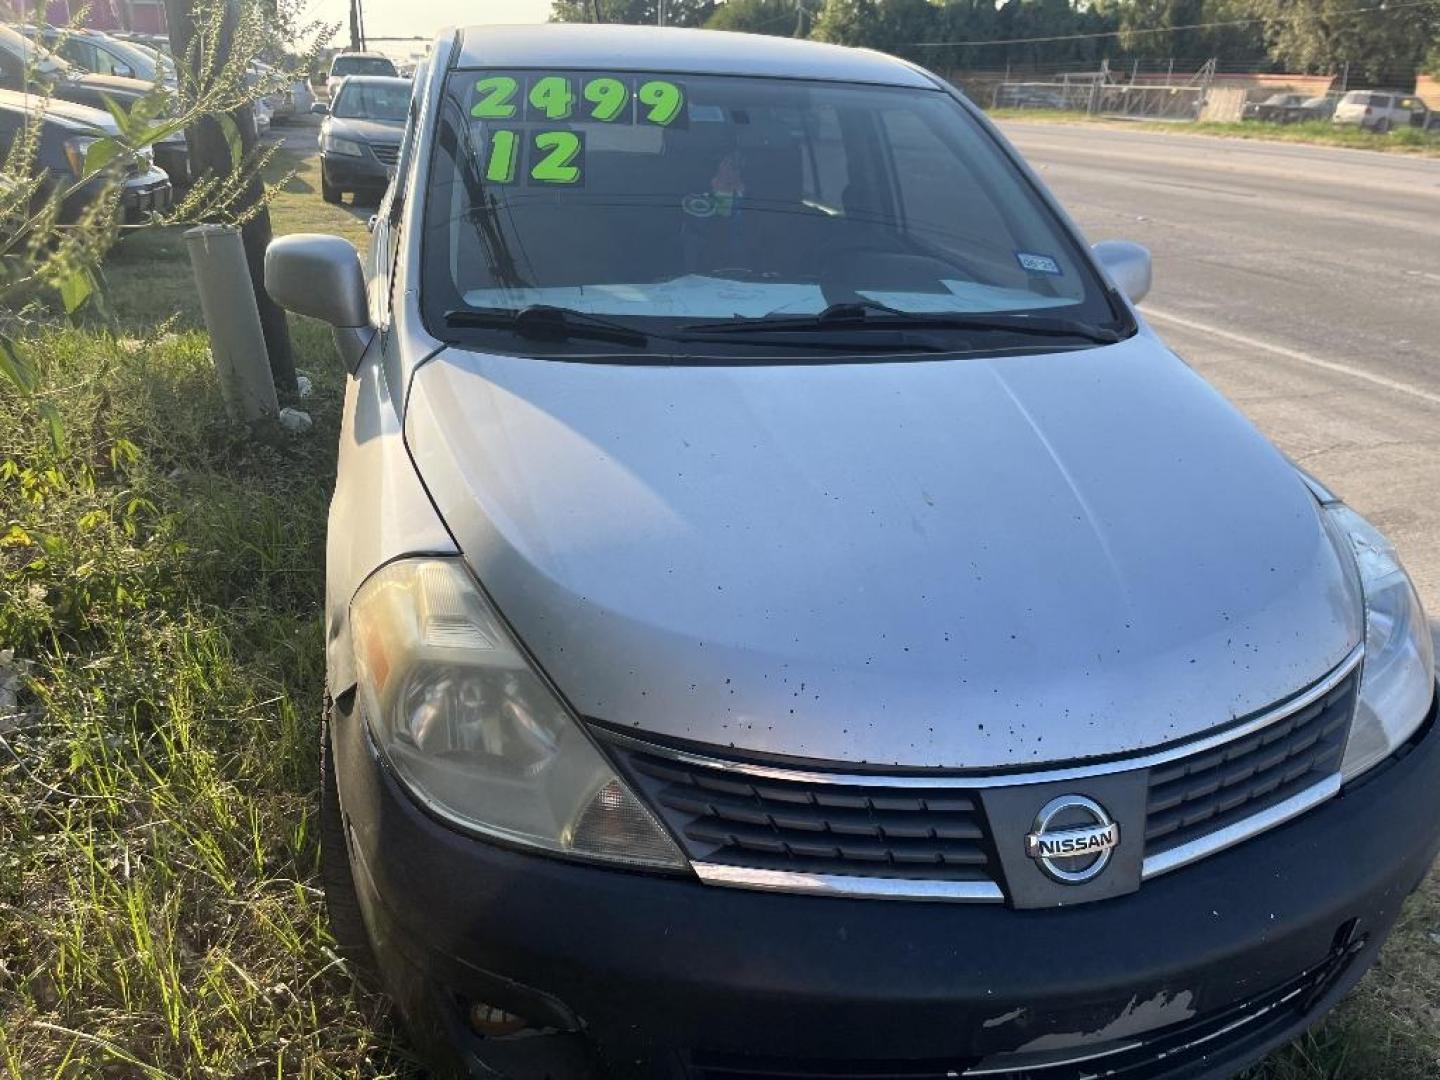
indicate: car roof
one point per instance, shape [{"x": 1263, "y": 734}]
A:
[
  {"x": 65, "y": 113},
  {"x": 380, "y": 80},
  {"x": 584, "y": 46}
]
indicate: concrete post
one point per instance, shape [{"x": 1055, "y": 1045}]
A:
[{"x": 227, "y": 300}]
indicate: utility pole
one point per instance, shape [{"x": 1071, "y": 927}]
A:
[{"x": 210, "y": 153}]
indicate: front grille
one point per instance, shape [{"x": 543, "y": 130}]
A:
[
  {"x": 741, "y": 816},
  {"x": 1198, "y": 795},
  {"x": 729, "y": 819},
  {"x": 388, "y": 154}
]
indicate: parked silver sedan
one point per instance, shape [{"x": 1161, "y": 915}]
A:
[{"x": 789, "y": 615}]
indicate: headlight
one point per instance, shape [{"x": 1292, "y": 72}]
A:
[
  {"x": 75, "y": 151},
  {"x": 1397, "y": 684},
  {"x": 334, "y": 145},
  {"x": 475, "y": 734}
]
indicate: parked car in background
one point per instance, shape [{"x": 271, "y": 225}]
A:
[
  {"x": 1375, "y": 110},
  {"x": 1422, "y": 116},
  {"x": 358, "y": 63},
  {"x": 1321, "y": 107},
  {"x": 158, "y": 43},
  {"x": 22, "y": 59},
  {"x": 1277, "y": 109},
  {"x": 66, "y": 132},
  {"x": 102, "y": 54},
  {"x": 1022, "y": 96},
  {"x": 789, "y": 615},
  {"x": 295, "y": 101},
  {"x": 360, "y": 136}
]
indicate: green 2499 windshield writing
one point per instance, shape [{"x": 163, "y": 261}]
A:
[
  {"x": 545, "y": 155},
  {"x": 609, "y": 99}
]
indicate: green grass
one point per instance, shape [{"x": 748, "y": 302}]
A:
[
  {"x": 1318, "y": 132},
  {"x": 148, "y": 274},
  {"x": 161, "y": 578}
]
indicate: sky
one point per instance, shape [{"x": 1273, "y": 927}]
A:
[{"x": 405, "y": 17}]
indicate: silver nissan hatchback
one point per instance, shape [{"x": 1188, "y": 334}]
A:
[{"x": 788, "y": 614}]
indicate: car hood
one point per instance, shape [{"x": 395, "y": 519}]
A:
[
  {"x": 371, "y": 131},
  {"x": 974, "y": 563}
]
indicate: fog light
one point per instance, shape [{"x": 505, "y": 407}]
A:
[{"x": 492, "y": 1022}]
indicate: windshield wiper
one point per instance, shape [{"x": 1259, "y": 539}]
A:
[
  {"x": 872, "y": 315},
  {"x": 547, "y": 323}
]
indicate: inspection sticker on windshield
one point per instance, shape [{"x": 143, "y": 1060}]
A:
[{"x": 1035, "y": 263}]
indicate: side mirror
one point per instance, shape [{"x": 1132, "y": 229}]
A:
[
  {"x": 124, "y": 71},
  {"x": 319, "y": 108},
  {"x": 320, "y": 276},
  {"x": 1128, "y": 266}
]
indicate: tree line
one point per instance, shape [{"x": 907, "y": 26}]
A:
[{"x": 1371, "y": 42}]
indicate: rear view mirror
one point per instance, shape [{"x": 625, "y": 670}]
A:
[
  {"x": 1128, "y": 266},
  {"x": 320, "y": 276}
]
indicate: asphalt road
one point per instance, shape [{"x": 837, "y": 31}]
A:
[{"x": 1303, "y": 282}]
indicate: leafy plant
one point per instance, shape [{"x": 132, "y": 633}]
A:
[{"x": 55, "y": 229}]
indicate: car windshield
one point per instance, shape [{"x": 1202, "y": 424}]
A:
[
  {"x": 372, "y": 100},
  {"x": 362, "y": 65},
  {"x": 734, "y": 198}
]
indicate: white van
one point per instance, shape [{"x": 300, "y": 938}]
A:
[{"x": 1373, "y": 109}]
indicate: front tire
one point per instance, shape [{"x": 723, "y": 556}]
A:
[
  {"x": 328, "y": 191},
  {"x": 342, "y": 902}
]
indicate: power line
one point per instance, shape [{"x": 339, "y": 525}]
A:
[{"x": 1161, "y": 29}]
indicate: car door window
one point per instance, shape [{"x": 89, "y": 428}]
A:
[
  {"x": 12, "y": 69},
  {"x": 107, "y": 63},
  {"x": 79, "y": 52},
  {"x": 10, "y": 124}
]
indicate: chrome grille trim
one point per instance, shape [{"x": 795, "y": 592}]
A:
[
  {"x": 852, "y": 886},
  {"x": 823, "y": 882},
  {"x": 975, "y": 781},
  {"x": 1230, "y": 835}
]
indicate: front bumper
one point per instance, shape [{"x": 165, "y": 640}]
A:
[
  {"x": 348, "y": 172},
  {"x": 649, "y": 975}
]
